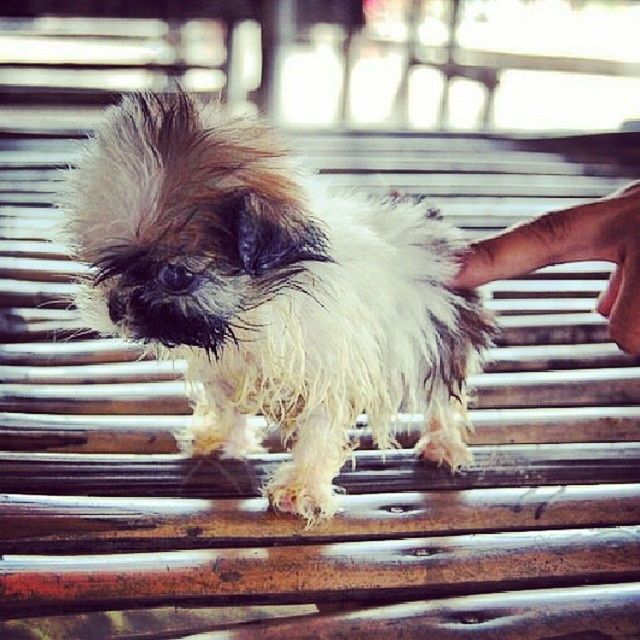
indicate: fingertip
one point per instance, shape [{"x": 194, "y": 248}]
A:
[
  {"x": 603, "y": 309},
  {"x": 609, "y": 295},
  {"x": 465, "y": 276}
]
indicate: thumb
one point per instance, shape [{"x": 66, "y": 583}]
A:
[{"x": 561, "y": 236}]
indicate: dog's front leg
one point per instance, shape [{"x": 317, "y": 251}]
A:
[{"x": 304, "y": 486}]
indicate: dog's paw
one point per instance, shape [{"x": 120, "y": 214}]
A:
[
  {"x": 442, "y": 447},
  {"x": 197, "y": 440},
  {"x": 291, "y": 491},
  {"x": 234, "y": 438}
]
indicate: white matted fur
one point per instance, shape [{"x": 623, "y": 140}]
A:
[{"x": 370, "y": 326}]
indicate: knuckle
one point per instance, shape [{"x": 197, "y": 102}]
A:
[
  {"x": 551, "y": 229},
  {"x": 485, "y": 254}
]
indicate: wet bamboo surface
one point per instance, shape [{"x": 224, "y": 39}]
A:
[
  {"x": 538, "y": 539},
  {"x": 608, "y": 611},
  {"x": 422, "y": 566},
  {"x": 47, "y": 523}
]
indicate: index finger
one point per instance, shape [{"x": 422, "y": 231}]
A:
[{"x": 560, "y": 236}]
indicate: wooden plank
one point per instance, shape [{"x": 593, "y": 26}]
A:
[
  {"x": 30, "y": 188},
  {"x": 47, "y": 222},
  {"x": 443, "y": 185},
  {"x": 586, "y": 612},
  {"x": 157, "y": 70},
  {"x": 36, "y": 315},
  {"x": 374, "y": 472},
  {"x": 42, "y": 270},
  {"x": 416, "y": 567},
  {"x": 543, "y": 288},
  {"x": 541, "y": 306},
  {"x": 147, "y": 397},
  {"x": 33, "y": 229},
  {"x": 101, "y": 433},
  {"x": 78, "y": 352},
  {"x": 383, "y": 188},
  {"x": 511, "y": 336},
  {"x": 530, "y": 425},
  {"x": 16, "y": 226},
  {"x": 28, "y": 325},
  {"x": 400, "y": 142},
  {"x": 576, "y": 279},
  {"x": 60, "y": 294},
  {"x": 105, "y": 373},
  {"x": 23, "y": 232},
  {"x": 33, "y": 367},
  {"x": 569, "y": 328},
  {"x": 27, "y": 362},
  {"x": 40, "y": 141},
  {"x": 502, "y": 207},
  {"x": 565, "y": 388},
  {"x": 12, "y": 331},
  {"x": 157, "y": 434},
  {"x": 544, "y": 357},
  {"x": 463, "y": 207},
  {"x": 512, "y": 163},
  {"x": 26, "y": 199},
  {"x": 31, "y": 213},
  {"x": 16, "y": 293},
  {"x": 34, "y": 249},
  {"x": 491, "y": 184},
  {"x": 39, "y": 159},
  {"x": 555, "y": 424},
  {"x": 64, "y": 96},
  {"x": 27, "y": 120},
  {"x": 112, "y": 349},
  {"x": 46, "y": 524},
  {"x": 582, "y": 387},
  {"x": 516, "y": 330}
]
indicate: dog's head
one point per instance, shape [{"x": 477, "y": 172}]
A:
[{"x": 191, "y": 219}]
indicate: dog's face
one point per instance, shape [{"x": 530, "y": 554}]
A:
[{"x": 191, "y": 220}]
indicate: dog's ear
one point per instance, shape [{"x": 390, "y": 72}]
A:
[{"x": 272, "y": 235}]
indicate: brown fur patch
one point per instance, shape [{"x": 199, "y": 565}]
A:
[{"x": 202, "y": 163}]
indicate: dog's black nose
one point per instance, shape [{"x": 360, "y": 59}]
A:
[
  {"x": 175, "y": 278},
  {"x": 116, "y": 307}
]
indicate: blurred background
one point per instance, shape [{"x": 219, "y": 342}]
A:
[{"x": 453, "y": 65}]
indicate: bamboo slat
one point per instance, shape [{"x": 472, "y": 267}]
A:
[
  {"x": 417, "y": 567},
  {"x": 603, "y": 611},
  {"x": 374, "y": 471},
  {"x": 157, "y": 434},
  {"x": 50, "y": 524}
]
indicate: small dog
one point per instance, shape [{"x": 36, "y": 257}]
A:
[{"x": 309, "y": 308}]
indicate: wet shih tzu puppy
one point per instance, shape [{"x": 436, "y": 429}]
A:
[{"x": 309, "y": 308}]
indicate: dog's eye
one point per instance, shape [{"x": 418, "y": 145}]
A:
[{"x": 175, "y": 278}]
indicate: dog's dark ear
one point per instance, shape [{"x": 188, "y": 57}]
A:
[{"x": 270, "y": 235}]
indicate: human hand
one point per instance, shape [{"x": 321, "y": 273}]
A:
[{"x": 606, "y": 229}]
